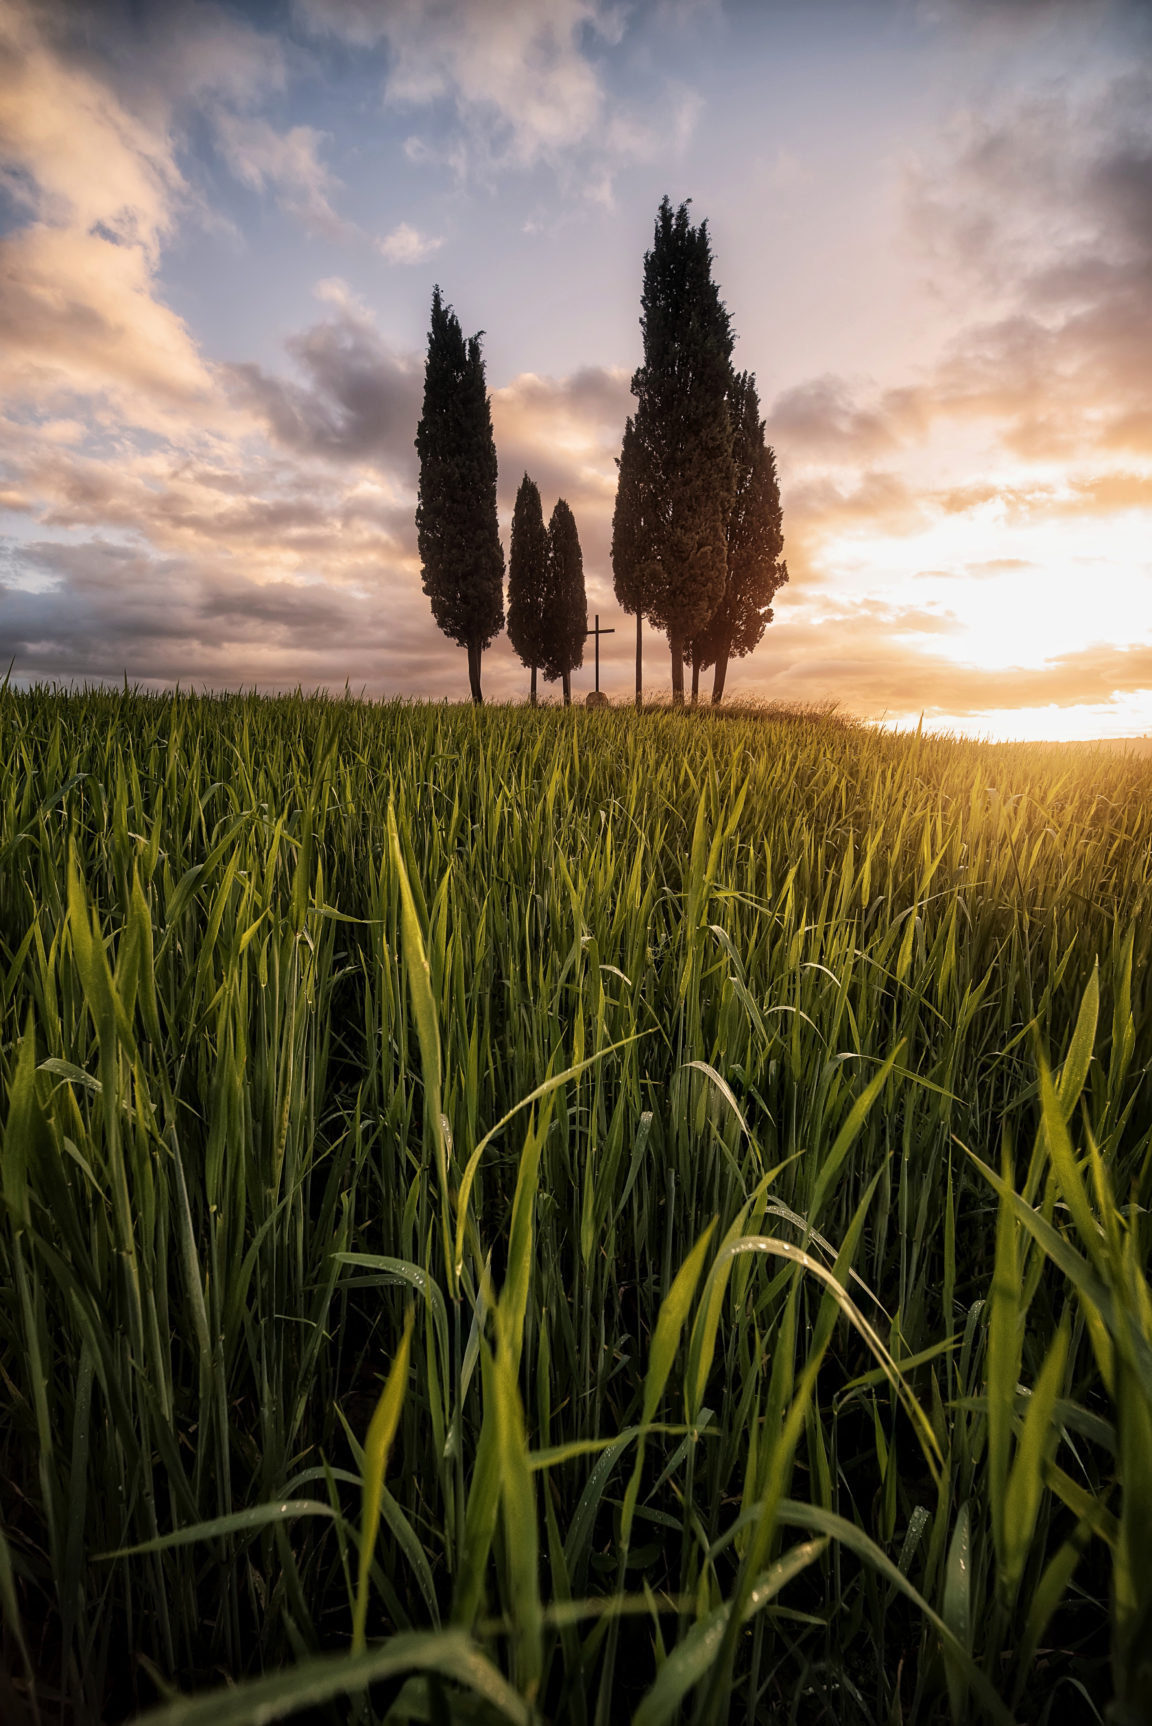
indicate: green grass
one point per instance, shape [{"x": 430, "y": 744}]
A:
[{"x": 570, "y": 1217}]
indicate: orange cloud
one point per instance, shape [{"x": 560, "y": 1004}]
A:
[{"x": 79, "y": 312}]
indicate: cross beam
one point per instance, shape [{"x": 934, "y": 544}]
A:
[{"x": 598, "y": 632}]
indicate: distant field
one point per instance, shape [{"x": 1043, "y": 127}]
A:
[
  {"x": 1123, "y": 745},
  {"x": 785, "y": 1356}
]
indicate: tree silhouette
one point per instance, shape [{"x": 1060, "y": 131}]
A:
[
  {"x": 567, "y": 608},
  {"x": 755, "y": 541},
  {"x": 528, "y": 579},
  {"x": 674, "y": 498},
  {"x": 456, "y": 526},
  {"x": 633, "y": 527}
]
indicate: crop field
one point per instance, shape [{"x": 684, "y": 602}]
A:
[{"x": 570, "y": 1217}]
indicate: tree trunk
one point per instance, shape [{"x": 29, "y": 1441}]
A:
[
  {"x": 695, "y": 681},
  {"x": 720, "y": 673},
  {"x": 676, "y": 642},
  {"x": 566, "y": 683},
  {"x": 639, "y": 662},
  {"x": 532, "y": 697},
  {"x": 474, "y": 651}
]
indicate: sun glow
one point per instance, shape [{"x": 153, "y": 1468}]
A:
[
  {"x": 1012, "y": 593},
  {"x": 1126, "y": 718}
]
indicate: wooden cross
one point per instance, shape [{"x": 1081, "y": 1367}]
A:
[{"x": 598, "y": 632}]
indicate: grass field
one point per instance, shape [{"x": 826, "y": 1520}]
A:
[{"x": 678, "y": 1187}]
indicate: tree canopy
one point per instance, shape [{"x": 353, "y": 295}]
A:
[
  {"x": 456, "y": 525},
  {"x": 567, "y": 607},
  {"x": 528, "y": 579},
  {"x": 674, "y": 500},
  {"x": 755, "y": 542}
]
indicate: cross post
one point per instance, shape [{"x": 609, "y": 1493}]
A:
[{"x": 598, "y": 632}]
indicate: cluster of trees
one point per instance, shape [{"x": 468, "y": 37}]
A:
[
  {"x": 697, "y": 533},
  {"x": 547, "y": 607},
  {"x": 697, "y": 530},
  {"x": 458, "y": 536}
]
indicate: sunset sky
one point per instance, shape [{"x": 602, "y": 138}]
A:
[{"x": 220, "y": 226}]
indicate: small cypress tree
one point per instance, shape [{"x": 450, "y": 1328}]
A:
[
  {"x": 676, "y": 476},
  {"x": 456, "y": 525},
  {"x": 567, "y": 611},
  {"x": 755, "y": 542},
  {"x": 528, "y": 579},
  {"x": 634, "y": 576}
]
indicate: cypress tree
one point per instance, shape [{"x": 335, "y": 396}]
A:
[
  {"x": 633, "y": 576},
  {"x": 676, "y": 482},
  {"x": 755, "y": 542},
  {"x": 528, "y": 579},
  {"x": 456, "y": 527},
  {"x": 567, "y": 610}
]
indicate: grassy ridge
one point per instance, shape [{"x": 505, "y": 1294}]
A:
[{"x": 254, "y": 1034}]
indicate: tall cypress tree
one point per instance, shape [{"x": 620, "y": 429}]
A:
[
  {"x": 528, "y": 579},
  {"x": 755, "y": 542},
  {"x": 456, "y": 527},
  {"x": 567, "y": 610},
  {"x": 676, "y": 482}
]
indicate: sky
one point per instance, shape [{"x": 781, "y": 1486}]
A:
[{"x": 931, "y": 221}]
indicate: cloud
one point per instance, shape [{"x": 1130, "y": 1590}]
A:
[
  {"x": 262, "y": 514},
  {"x": 79, "y": 315},
  {"x": 79, "y": 311},
  {"x": 360, "y": 400},
  {"x": 108, "y": 608},
  {"x": 585, "y": 410},
  {"x": 1011, "y": 19},
  {"x": 824, "y": 417},
  {"x": 877, "y": 659},
  {"x": 74, "y": 155},
  {"x": 880, "y": 502},
  {"x": 1048, "y": 208},
  {"x": 407, "y": 245},
  {"x": 990, "y": 568},
  {"x": 183, "y": 520},
  {"x": 291, "y": 560},
  {"x": 194, "y": 53},
  {"x": 566, "y": 433},
  {"x": 100, "y": 610},
  {"x": 286, "y": 163},
  {"x": 1036, "y": 222},
  {"x": 518, "y": 63},
  {"x": 526, "y": 81},
  {"x": 1086, "y": 494}
]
